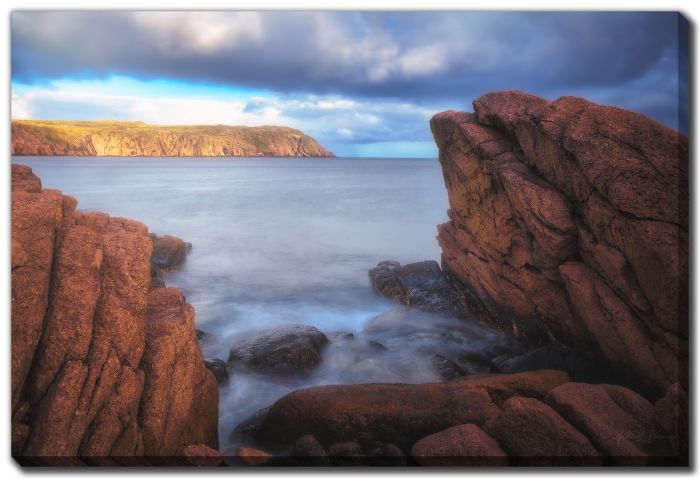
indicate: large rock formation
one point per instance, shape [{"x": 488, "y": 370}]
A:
[
  {"x": 104, "y": 368},
  {"x": 569, "y": 220},
  {"x": 132, "y": 138}
]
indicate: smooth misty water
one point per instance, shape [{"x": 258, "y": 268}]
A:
[{"x": 288, "y": 241}]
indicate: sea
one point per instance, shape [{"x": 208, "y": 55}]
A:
[{"x": 279, "y": 241}]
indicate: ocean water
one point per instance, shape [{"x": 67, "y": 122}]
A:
[{"x": 281, "y": 241}]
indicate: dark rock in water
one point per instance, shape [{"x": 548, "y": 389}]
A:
[
  {"x": 346, "y": 453},
  {"x": 387, "y": 455},
  {"x": 291, "y": 350},
  {"x": 244, "y": 430},
  {"x": 447, "y": 369},
  {"x": 343, "y": 336},
  {"x": 420, "y": 284},
  {"x": 168, "y": 252},
  {"x": 201, "y": 335},
  {"x": 307, "y": 451},
  {"x": 219, "y": 368},
  {"x": 554, "y": 356}
]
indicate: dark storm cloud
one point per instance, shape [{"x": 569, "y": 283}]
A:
[{"x": 424, "y": 57}]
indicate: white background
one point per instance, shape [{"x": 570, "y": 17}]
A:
[{"x": 691, "y": 9}]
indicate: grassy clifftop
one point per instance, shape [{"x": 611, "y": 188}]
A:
[{"x": 135, "y": 138}]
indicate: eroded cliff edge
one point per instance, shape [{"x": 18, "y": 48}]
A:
[
  {"x": 133, "y": 138},
  {"x": 569, "y": 221},
  {"x": 105, "y": 369}
]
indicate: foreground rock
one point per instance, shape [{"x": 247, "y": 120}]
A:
[
  {"x": 570, "y": 220},
  {"x": 94, "y": 349},
  {"x": 394, "y": 413},
  {"x": 530, "y": 418},
  {"x": 287, "y": 351},
  {"x": 420, "y": 284}
]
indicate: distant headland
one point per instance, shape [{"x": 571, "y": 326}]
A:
[{"x": 135, "y": 138}]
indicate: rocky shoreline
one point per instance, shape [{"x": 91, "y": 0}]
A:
[{"x": 568, "y": 233}]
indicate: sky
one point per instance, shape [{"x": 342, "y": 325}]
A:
[{"x": 361, "y": 83}]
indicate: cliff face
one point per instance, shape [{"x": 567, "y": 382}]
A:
[
  {"x": 124, "y": 138},
  {"x": 570, "y": 220},
  {"x": 102, "y": 365}
]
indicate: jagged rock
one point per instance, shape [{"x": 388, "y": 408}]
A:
[
  {"x": 290, "y": 350},
  {"x": 88, "y": 351},
  {"x": 420, "y": 284},
  {"x": 219, "y": 368},
  {"x": 569, "y": 220},
  {"x": 309, "y": 452},
  {"x": 394, "y": 413},
  {"x": 534, "y": 434},
  {"x": 447, "y": 369},
  {"x": 618, "y": 421},
  {"x": 462, "y": 445}
]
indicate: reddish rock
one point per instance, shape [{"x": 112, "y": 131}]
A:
[
  {"x": 172, "y": 352},
  {"x": 23, "y": 179},
  {"x": 169, "y": 252},
  {"x": 84, "y": 346},
  {"x": 252, "y": 456},
  {"x": 618, "y": 421},
  {"x": 202, "y": 455},
  {"x": 394, "y": 413},
  {"x": 534, "y": 434},
  {"x": 672, "y": 424},
  {"x": 536, "y": 187},
  {"x": 463, "y": 445}
]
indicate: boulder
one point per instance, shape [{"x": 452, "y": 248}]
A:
[
  {"x": 532, "y": 433},
  {"x": 387, "y": 454},
  {"x": 420, "y": 284},
  {"x": 252, "y": 456},
  {"x": 672, "y": 424},
  {"x": 202, "y": 455},
  {"x": 462, "y": 445},
  {"x": 287, "y": 351},
  {"x": 618, "y": 421},
  {"x": 169, "y": 252},
  {"x": 307, "y": 451},
  {"x": 393, "y": 413},
  {"x": 346, "y": 453},
  {"x": 569, "y": 220}
]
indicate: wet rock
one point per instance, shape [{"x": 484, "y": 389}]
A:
[
  {"x": 252, "y": 456},
  {"x": 346, "y": 453},
  {"x": 219, "y": 368},
  {"x": 394, "y": 413},
  {"x": 244, "y": 430},
  {"x": 201, "y": 335},
  {"x": 420, "y": 285},
  {"x": 169, "y": 252},
  {"x": 447, "y": 369},
  {"x": 309, "y": 452},
  {"x": 618, "y": 421},
  {"x": 462, "y": 445},
  {"x": 287, "y": 351},
  {"x": 202, "y": 455},
  {"x": 554, "y": 356},
  {"x": 532, "y": 433}
]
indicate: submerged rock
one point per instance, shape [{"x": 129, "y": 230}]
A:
[
  {"x": 420, "y": 284},
  {"x": 219, "y": 368},
  {"x": 287, "y": 351}
]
